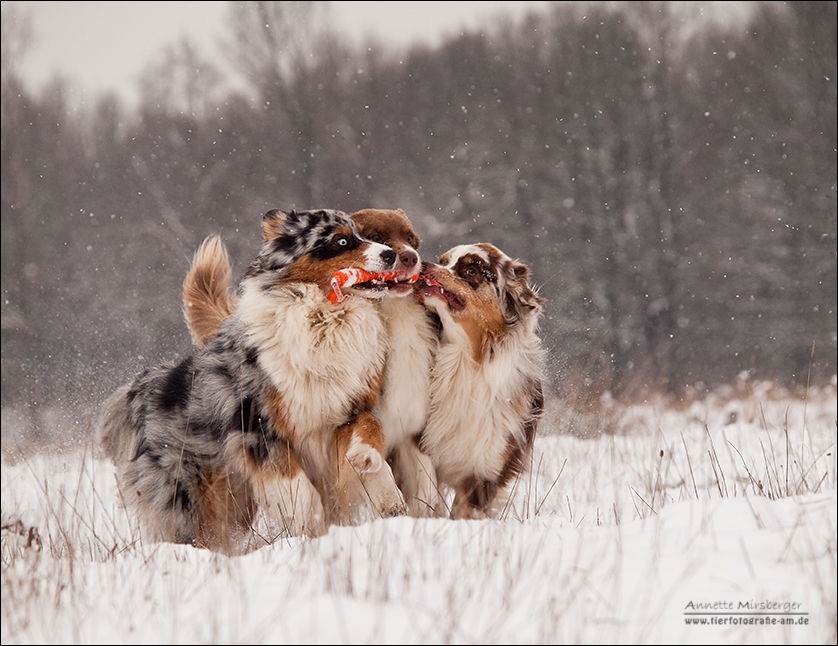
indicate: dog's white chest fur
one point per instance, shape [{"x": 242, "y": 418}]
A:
[
  {"x": 322, "y": 356},
  {"x": 403, "y": 408},
  {"x": 476, "y": 409}
]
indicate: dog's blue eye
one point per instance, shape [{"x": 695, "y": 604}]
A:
[{"x": 343, "y": 242}]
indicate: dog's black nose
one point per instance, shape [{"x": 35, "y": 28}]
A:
[
  {"x": 408, "y": 259},
  {"x": 389, "y": 256}
]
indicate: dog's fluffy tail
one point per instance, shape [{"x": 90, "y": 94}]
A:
[
  {"x": 115, "y": 431},
  {"x": 207, "y": 300}
]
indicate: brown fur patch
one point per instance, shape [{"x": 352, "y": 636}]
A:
[
  {"x": 390, "y": 227},
  {"x": 278, "y": 414},
  {"x": 319, "y": 272},
  {"x": 515, "y": 454},
  {"x": 395, "y": 230},
  {"x": 473, "y": 498},
  {"x": 227, "y": 510},
  {"x": 367, "y": 429},
  {"x": 481, "y": 318},
  {"x": 369, "y": 399}
]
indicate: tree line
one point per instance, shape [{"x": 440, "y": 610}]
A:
[{"x": 668, "y": 175}]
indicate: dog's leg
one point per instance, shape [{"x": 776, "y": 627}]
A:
[
  {"x": 363, "y": 475},
  {"x": 279, "y": 484},
  {"x": 293, "y": 503},
  {"x": 226, "y": 511},
  {"x": 474, "y": 499},
  {"x": 427, "y": 499},
  {"x": 416, "y": 477}
]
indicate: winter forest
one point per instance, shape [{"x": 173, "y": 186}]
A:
[{"x": 668, "y": 174}]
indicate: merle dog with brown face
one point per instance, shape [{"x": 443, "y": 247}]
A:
[
  {"x": 486, "y": 382},
  {"x": 275, "y": 411}
]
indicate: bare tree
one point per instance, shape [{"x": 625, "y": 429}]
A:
[
  {"x": 275, "y": 46},
  {"x": 17, "y": 38},
  {"x": 182, "y": 82}
]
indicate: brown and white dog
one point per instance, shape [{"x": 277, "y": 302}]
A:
[
  {"x": 486, "y": 382},
  {"x": 402, "y": 408},
  {"x": 276, "y": 410}
]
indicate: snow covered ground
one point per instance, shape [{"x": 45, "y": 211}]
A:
[{"x": 711, "y": 523}]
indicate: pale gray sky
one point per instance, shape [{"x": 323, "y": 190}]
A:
[{"x": 106, "y": 45}]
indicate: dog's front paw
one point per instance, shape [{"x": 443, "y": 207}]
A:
[
  {"x": 363, "y": 458},
  {"x": 397, "y": 508},
  {"x": 385, "y": 497}
]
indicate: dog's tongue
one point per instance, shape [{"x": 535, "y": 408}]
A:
[
  {"x": 355, "y": 275},
  {"x": 431, "y": 286}
]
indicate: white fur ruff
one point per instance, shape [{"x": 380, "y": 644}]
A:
[
  {"x": 477, "y": 407},
  {"x": 324, "y": 356}
]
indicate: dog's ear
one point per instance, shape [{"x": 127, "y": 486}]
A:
[
  {"x": 273, "y": 224},
  {"x": 519, "y": 299}
]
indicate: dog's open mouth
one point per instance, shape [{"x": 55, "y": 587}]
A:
[
  {"x": 403, "y": 284},
  {"x": 357, "y": 278},
  {"x": 428, "y": 286}
]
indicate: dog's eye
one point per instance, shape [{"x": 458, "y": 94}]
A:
[
  {"x": 474, "y": 273},
  {"x": 342, "y": 242}
]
